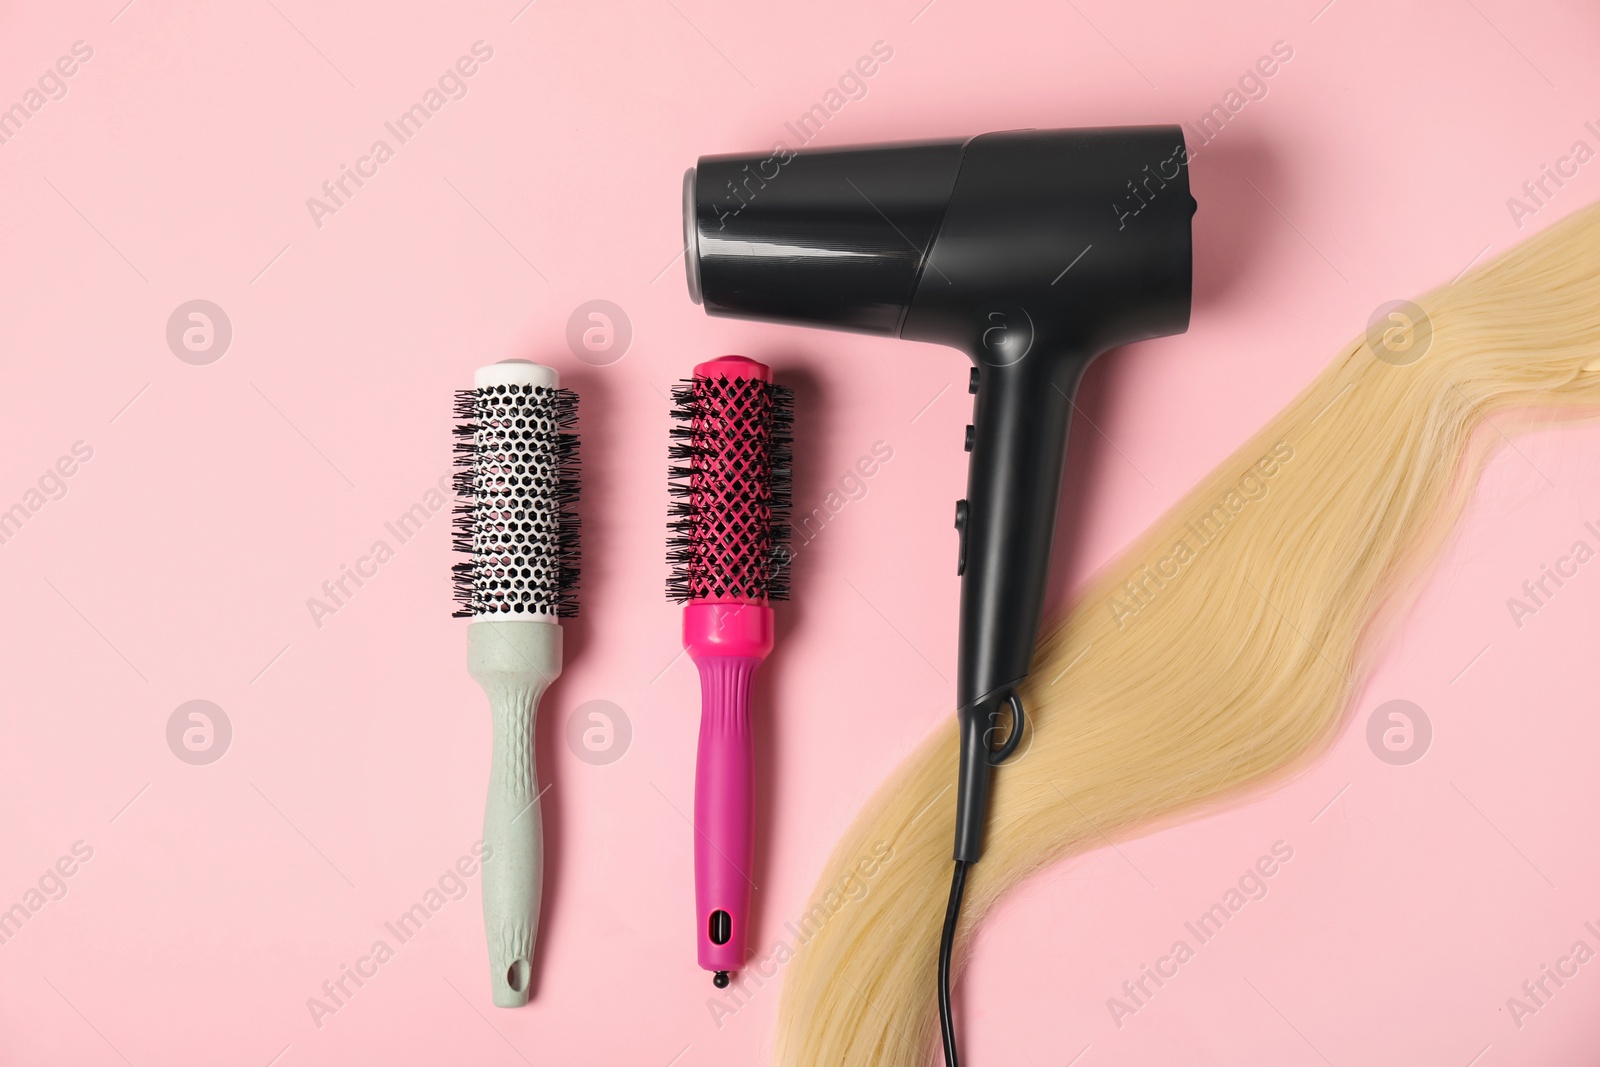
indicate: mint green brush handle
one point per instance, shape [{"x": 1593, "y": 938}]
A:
[{"x": 515, "y": 662}]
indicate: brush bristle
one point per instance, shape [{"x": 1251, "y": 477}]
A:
[
  {"x": 730, "y": 481},
  {"x": 516, "y": 486}
]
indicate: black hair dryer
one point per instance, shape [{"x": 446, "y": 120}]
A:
[{"x": 1033, "y": 252}]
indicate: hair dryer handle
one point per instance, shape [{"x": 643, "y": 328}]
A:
[{"x": 1007, "y": 524}]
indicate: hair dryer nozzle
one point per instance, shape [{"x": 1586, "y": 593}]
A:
[
  {"x": 691, "y": 258},
  {"x": 832, "y": 238}
]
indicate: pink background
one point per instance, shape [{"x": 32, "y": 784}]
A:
[{"x": 220, "y": 497}]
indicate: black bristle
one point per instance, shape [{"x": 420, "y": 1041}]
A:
[
  {"x": 781, "y": 485},
  {"x": 517, "y": 486},
  {"x": 730, "y": 481}
]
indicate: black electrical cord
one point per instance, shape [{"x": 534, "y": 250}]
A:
[
  {"x": 958, "y": 886},
  {"x": 947, "y": 941}
]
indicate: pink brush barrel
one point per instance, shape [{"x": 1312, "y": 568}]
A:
[{"x": 731, "y": 521}]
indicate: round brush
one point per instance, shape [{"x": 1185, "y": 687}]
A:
[
  {"x": 516, "y": 486},
  {"x": 730, "y": 484}
]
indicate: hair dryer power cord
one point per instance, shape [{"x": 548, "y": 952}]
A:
[
  {"x": 958, "y": 886},
  {"x": 952, "y": 915}
]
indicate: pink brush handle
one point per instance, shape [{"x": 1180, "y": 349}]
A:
[{"x": 727, "y": 641}]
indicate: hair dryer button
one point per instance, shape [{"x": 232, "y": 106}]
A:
[
  {"x": 721, "y": 927},
  {"x": 961, "y": 525},
  {"x": 970, "y": 432},
  {"x": 972, "y": 382}
]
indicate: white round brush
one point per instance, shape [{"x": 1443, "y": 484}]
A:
[{"x": 516, "y": 485}]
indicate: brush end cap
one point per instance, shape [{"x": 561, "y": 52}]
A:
[
  {"x": 516, "y": 372},
  {"x": 733, "y": 368}
]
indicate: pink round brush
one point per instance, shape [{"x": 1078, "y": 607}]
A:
[{"x": 729, "y": 555}]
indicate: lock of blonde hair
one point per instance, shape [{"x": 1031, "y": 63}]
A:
[{"x": 1220, "y": 650}]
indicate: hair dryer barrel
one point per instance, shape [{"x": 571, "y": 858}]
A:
[{"x": 841, "y": 238}]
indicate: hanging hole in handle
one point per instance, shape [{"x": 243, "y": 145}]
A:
[
  {"x": 999, "y": 755},
  {"x": 517, "y": 975}
]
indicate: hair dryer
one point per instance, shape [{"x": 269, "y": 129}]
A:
[{"x": 1032, "y": 251}]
